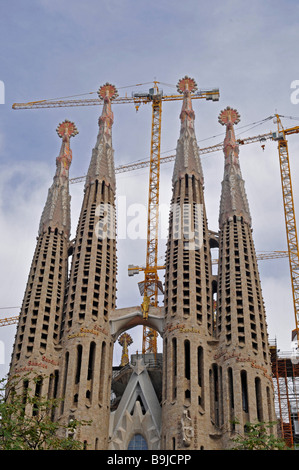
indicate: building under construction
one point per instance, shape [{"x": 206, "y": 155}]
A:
[
  {"x": 217, "y": 371},
  {"x": 285, "y": 368}
]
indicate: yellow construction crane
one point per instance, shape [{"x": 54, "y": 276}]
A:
[
  {"x": 9, "y": 320},
  {"x": 149, "y": 288},
  {"x": 289, "y": 212},
  {"x": 137, "y": 99}
]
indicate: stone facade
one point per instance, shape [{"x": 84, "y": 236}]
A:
[{"x": 216, "y": 372}]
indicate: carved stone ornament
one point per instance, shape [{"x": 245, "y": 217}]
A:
[
  {"x": 108, "y": 91},
  {"x": 67, "y": 128},
  {"x": 229, "y": 116},
  {"x": 186, "y": 84},
  {"x": 187, "y": 428}
]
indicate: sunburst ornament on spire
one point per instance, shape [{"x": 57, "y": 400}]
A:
[
  {"x": 186, "y": 84},
  {"x": 125, "y": 340},
  {"x": 229, "y": 115},
  {"x": 67, "y": 128},
  {"x": 108, "y": 91}
]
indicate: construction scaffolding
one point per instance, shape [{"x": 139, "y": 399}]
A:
[{"x": 285, "y": 369}]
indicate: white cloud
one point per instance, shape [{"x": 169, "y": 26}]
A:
[{"x": 21, "y": 187}]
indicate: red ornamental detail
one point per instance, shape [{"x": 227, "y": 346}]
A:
[
  {"x": 186, "y": 84},
  {"x": 125, "y": 338},
  {"x": 108, "y": 91},
  {"x": 229, "y": 116},
  {"x": 67, "y": 128}
]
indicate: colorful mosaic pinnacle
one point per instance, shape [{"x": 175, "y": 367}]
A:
[
  {"x": 229, "y": 116},
  {"x": 186, "y": 84},
  {"x": 67, "y": 128},
  {"x": 108, "y": 91}
]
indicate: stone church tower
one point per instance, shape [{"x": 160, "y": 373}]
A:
[
  {"x": 214, "y": 374},
  {"x": 243, "y": 356},
  {"x": 188, "y": 296},
  {"x": 37, "y": 341},
  {"x": 86, "y": 363}
]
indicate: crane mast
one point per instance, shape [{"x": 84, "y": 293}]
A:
[
  {"x": 151, "y": 279},
  {"x": 289, "y": 213}
]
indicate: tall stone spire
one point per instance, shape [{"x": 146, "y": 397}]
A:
[
  {"x": 91, "y": 295},
  {"x": 233, "y": 196},
  {"x": 36, "y": 347},
  {"x": 102, "y": 160},
  {"x": 56, "y": 213},
  {"x": 187, "y": 153},
  {"x": 188, "y": 300},
  {"x": 243, "y": 356}
]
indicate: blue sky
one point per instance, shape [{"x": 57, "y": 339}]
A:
[{"x": 51, "y": 49}]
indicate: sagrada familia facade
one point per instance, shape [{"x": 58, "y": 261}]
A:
[{"x": 214, "y": 374}]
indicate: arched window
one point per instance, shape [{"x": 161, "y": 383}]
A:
[{"x": 137, "y": 443}]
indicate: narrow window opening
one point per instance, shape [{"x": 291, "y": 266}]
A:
[
  {"x": 187, "y": 359},
  {"x": 244, "y": 391},
  {"x": 78, "y": 367}
]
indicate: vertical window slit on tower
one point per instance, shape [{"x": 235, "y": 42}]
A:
[
  {"x": 215, "y": 395},
  {"x": 258, "y": 396},
  {"x": 78, "y": 365},
  {"x": 187, "y": 359},
  {"x": 244, "y": 391},
  {"x": 37, "y": 394},
  {"x": 91, "y": 361},
  {"x": 231, "y": 398},
  {"x": 200, "y": 375},
  {"x": 102, "y": 372},
  {"x": 66, "y": 367},
  {"x": 174, "y": 367}
]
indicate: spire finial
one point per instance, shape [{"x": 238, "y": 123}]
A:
[
  {"x": 229, "y": 116},
  {"x": 108, "y": 91},
  {"x": 186, "y": 84},
  {"x": 56, "y": 212},
  {"x": 66, "y": 128},
  {"x": 187, "y": 155},
  {"x": 101, "y": 166},
  {"x": 233, "y": 196}
]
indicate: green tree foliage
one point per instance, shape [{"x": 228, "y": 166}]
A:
[
  {"x": 257, "y": 437},
  {"x": 33, "y": 430}
]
